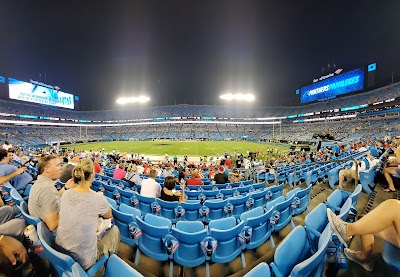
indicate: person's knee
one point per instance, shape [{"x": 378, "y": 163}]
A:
[{"x": 392, "y": 203}]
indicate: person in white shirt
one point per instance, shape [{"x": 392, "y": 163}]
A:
[
  {"x": 365, "y": 164},
  {"x": 150, "y": 188},
  {"x": 7, "y": 145}
]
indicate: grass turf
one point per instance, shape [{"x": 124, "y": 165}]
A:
[{"x": 190, "y": 148}]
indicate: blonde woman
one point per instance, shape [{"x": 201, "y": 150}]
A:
[{"x": 80, "y": 210}]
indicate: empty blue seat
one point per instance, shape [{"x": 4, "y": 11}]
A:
[
  {"x": 109, "y": 190},
  {"x": 226, "y": 232},
  {"x": 210, "y": 194},
  {"x": 239, "y": 204},
  {"x": 192, "y": 194},
  {"x": 154, "y": 229},
  {"x": 282, "y": 212},
  {"x": 315, "y": 223},
  {"x": 258, "y": 220},
  {"x": 168, "y": 209},
  {"x": 216, "y": 207},
  {"x": 259, "y": 197},
  {"x": 302, "y": 197},
  {"x": 227, "y": 192},
  {"x": 125, "y": 196},
  {"x": 391, "y": 255},
  {"x": 145, "y": 203},
  {"x": 191, "y": 209},
  {"x": 189, "y": 234},
  {"x": 112, "y": 202},
  {"x": 259, "y": 185},
  {"x": 276, "y": 191},
  {"x": 261, "y": 270},
  {"x": 116, "y": 267}
]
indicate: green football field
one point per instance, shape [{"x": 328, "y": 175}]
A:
[{"x": 190, "y": 148}]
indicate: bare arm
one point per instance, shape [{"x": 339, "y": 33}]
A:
[
  {"x": 51, "y": 220},
  {"x": 8, "y": 177},
  {"x": 107, "y": 214}
]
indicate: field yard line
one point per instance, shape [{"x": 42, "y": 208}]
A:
[
  {"x": 211, "y": 148},
  {"x": 182, "y": 147}
]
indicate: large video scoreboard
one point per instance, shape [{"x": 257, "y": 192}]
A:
[
  {"x": 40, "y": 93},
  {"x": 343, "y": 83}
]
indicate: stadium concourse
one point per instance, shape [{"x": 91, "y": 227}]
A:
[{"x": 253, "y": 218}]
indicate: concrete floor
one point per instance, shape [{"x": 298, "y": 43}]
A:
[{"x": 264, "y": 253}]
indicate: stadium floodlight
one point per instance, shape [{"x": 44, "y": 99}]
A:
[
  {"x": 134, "y": 99},
  {"x": 238, "y": 97}
]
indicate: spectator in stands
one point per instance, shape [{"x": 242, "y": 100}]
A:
[
  {"x": 133, "y": 177},
  {"x": 17, "y": 177},
  {"x": 221, "y": 177},
  {"x": 235, "y": 176},
  {"x": 394, "y": 167},
  {"x": 44, "y": 199},
  {"x": 168, "y": 193},
  {"x": 228, "y": 162},
  {"x": 194, "y": 181},
  {"x": 66, "y": 172},
  {"x": 119, "y": 172},
  {"x": 150, "y": 188},
  {"x": 166, "y": 172},
  {"x": 365, "y": 164},
  {"x": 382, "y": 222},
  {"x": 80, "y": 209},
  {"x": 9, "y": 225},
  {"x": 335, "y": 149},
  {"x": 97, "y": 167},
  {"x": 7, "y": 145}
]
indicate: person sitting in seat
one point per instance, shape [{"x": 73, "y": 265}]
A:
[
  {"x": 194, "y": 181},
  {"x": 80, "y": 209},
  {"x": 17, "y": 177},
  {"x": 365, "y": 164},
  {"x": 393, "y": 167},
  {"x": 168, "y": 193},
  {"x": 221, "y": 177},
  {"x": 150, "y": 188},
  {"x": 382, "y": 222}
]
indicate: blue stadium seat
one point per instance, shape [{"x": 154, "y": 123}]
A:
[
  {"x": 126, "y": 196},
  {"x": 276, "y": 191},
  {"x": 109, "y": 190},
  {"x": 60, "y": 262},
  {"x": 216, "y": 207},
  {"x": 112, "y": 202},
  {"x": 154, "y": 230},
  {"x": 116, "y": 267},
  {"x": 239, "y": 204},
  {"x": 191, "y": 209},
  {"x": 259, "y": 197},
  {"x": 391, "y": 255},
  {"x": 210, "y": 194},
  {"x": 282, "y": 212},
  {"x": 23, "y": 207},
  {"x": 261, "y": 270},
  {"x": 168, "y": 209},
  {"x": 192, "y": 194},
  {"x": 145, "y": 203},
  {"x": 258, "y": 220},
  {"x": 227, "y": 192},
  {"x": 15, "y": 196},
  {"x": 189, "y": 234},
  {"x": 259, "y": 186},
  {"x": 315, "y": 223},
  {"x": 302, "y": 196},
  {"x": 226, "y": 232}
]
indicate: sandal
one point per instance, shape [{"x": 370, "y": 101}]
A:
[{"x": 389, "y": 190}]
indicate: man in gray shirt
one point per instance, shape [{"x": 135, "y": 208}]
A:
[{"x": 44, "y": 199}]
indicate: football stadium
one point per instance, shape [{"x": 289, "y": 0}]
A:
[{"x": 173, "y": 138}]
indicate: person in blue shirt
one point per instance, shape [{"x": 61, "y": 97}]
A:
[
  {"x": 335, "y": 149},
  {"x": 17, "y": 177}
]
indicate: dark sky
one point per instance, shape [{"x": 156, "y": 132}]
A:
[{"x": 191, "y": 51}]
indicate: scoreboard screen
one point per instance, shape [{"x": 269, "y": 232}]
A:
[
  {"x": 330, "y": 88},
  {"x": 34, "y": 93}
]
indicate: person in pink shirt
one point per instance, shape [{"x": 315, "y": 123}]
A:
[{"x": 119, "y": 172}]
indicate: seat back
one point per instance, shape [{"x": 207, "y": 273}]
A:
[
  {"x": 239, "y": 204},
  {"x": 335, "y": 201},
  {"x": 259, "y": 198},
  {"x": 145, "y": 203},
  {"x": 191, "y": 209},
  {"x": 291, "y": 251},
  {"x": 314, "y": 265},
  {"x": 23, "y": 206},
  {"x": 154, "y": 228},
  {"x": 167, "y": 209},
  {"x": 126, "y": 196},
  {"x": 117, "y": 267},
  {"x": 210, "y": 194},
  {"x": 15, "y": 196},
  {"x": 259, "y": 185},
  {"x": 391, "y": 255},
  {"x": 345, "y": 210},
  {"x": 226, "y": 232},
  {"x": 261, "y": 270},
  {"x": 189, "y": 235},
  {"x": 356, "y": 194},
  {"x": 122, "y": 221},
  {"x": 216, "y": 207},
  {"x": 258, "y": 220},
  {"x": 112, "y": 202},
  {"x": 304, "y": 197},
  {"x": 109, "y": 190},
  {"x": 316, "y": 220},
  {"x": 59, "y": 261},
  {"x": 276, "y": 191}
]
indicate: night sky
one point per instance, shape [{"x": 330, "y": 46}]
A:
[{"x": 192, "y": 51}]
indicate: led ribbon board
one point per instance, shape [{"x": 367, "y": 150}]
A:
[
  {"x": 29, "y": 92},
  {"x": 330, "y": 88}
]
